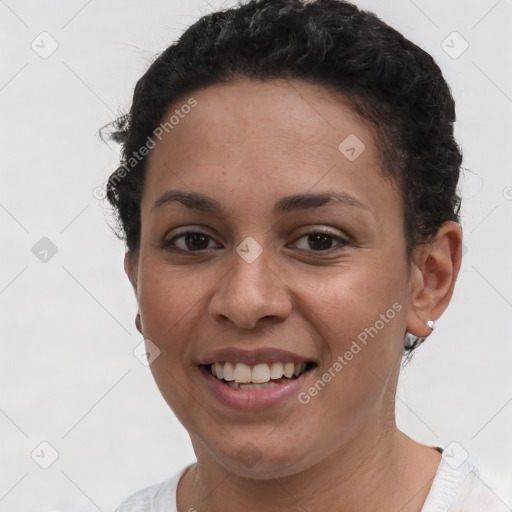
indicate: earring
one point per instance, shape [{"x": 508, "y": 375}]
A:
[
  {"x": 137, "y": 323},
  {"x": 412, "y": 341}
]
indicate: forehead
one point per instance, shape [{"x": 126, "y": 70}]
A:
[
  {"x": 265, "y": 136},
  {"x": 245, "y": 110}
]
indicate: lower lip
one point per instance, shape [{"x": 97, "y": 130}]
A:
[{"x": 253, "y": 398}]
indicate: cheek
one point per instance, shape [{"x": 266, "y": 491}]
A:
[
  {"x": 359, "y": 319},
  {"x": 349, "y": 302},
  {"x": 168, "y": 297},
  {"x": 359, "y": 328},
  {"x": 170, "y": 303}
]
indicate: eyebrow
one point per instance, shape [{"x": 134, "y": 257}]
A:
[{"x": 203, "y": 203}]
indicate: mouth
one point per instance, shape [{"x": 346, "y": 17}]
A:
[{"x": 242, "y": 376}]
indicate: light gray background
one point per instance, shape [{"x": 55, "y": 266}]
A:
[{"x": 67, "y": 372}]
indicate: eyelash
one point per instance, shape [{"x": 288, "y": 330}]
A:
[{"x": 169, "y": 244}]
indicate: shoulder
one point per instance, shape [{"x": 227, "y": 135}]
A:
[
  {"x": 458, "y": 487},
  {"x": 159, "y": 497}
]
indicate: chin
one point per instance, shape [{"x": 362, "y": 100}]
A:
[{"x": 264, "y": 463}]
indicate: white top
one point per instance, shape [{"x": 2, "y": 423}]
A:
[{"x": 457, "y": 487}]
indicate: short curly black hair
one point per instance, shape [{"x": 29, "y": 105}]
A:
[{"x": 388, "y": 80}]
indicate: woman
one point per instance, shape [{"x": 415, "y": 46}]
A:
[{"x": 288, "y": 199}]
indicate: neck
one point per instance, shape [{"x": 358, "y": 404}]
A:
[{"x": 374, "y": 472}]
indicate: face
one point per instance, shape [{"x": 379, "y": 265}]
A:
[{"x": 272, "y": 246}]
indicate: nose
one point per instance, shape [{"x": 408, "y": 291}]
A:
[{"x": 250, "y": 292}]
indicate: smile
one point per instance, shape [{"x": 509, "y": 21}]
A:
[
  {"x": 244, "y": 380},
  {"x": 258, "y": 376}
]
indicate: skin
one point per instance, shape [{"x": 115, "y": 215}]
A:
[{"x": 247, "y": 144}]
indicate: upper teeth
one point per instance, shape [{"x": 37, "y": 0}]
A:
[{"x": 258, "y": 374}]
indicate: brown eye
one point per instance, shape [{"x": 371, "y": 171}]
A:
[
  {"x": 191, "y": 241},
  {"x": 319, "y": 241}
]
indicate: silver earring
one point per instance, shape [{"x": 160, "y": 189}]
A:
[{"x": 412, "y": 341}]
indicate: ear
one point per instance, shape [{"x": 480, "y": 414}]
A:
[
  {"x": 130, "y": 268},
  {"x": 434, "y": 270}
]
